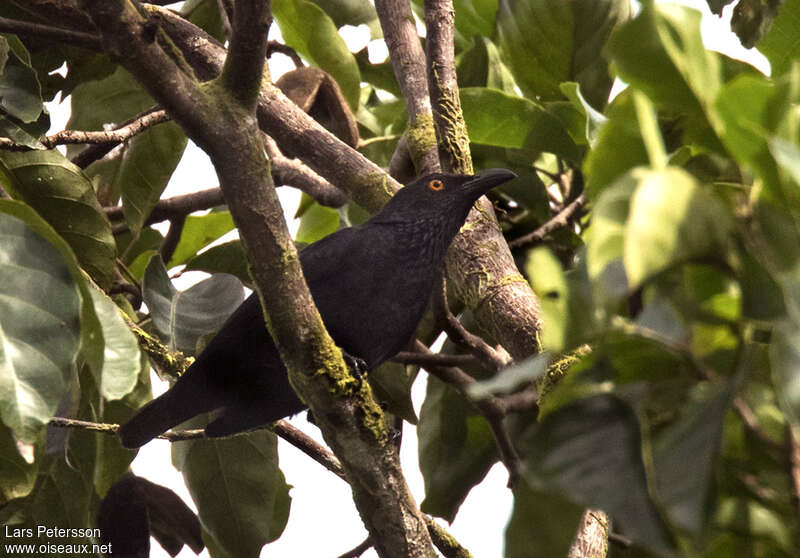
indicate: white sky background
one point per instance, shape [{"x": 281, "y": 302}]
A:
[{"x": 323, "y": 521}]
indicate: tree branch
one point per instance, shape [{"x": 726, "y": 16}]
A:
[
  {"x": 451, "y": 130},
  {"x": 29, "y": 29},
  {"x": 459, "y": 334},
  {"x": 561, "y": 219},
  {"x": 244, "y": 65},
  {"x": 408, "y": 62},
  {"x": 492, "y": 408}
]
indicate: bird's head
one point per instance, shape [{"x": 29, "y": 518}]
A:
[{"x": 442, "y": 196}]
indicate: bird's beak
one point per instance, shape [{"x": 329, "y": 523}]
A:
[{"x": 488, "y": 179}]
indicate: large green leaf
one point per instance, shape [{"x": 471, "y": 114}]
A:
[
  {"x": 661, "y": 52},
  {"x": 547, "y": 42},
  {"x": 672, "y": 219},
  {"x": 781, "y": 46},
  {"x": 143, "y": 167},
  {"x": 685, "y": 457},
  {"x": 39, "y": 328},
  {"x": 496, "y": 118},
  {"x": 310, "y": 31},
  {"x": 240, "y": 493},
  {"x": 456, "y": 449},
  {"x": 481, "y": 66},
  {"x": 590, "y": 451},
  {"x": 184, "y": 317},
  {"x": 618, "y": 147},
  {"x": 64, "y": 197}
]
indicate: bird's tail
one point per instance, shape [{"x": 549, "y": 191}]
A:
[{"x": 166, "y": 411}]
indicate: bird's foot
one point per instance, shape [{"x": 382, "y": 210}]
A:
[{"x": 357, "y": 366}]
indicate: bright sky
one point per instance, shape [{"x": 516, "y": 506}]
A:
[{"x": 323, "y": 521}]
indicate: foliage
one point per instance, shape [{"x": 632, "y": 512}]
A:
[{"x": 680, "y": 282}]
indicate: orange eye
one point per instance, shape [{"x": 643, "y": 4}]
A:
[{"x": 435, "y": 185}]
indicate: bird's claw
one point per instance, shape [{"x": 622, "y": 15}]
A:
[{"x": 357, "y": 366}]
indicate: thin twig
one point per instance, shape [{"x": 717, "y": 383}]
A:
[
  {"x": 434, "y": 359},
  {"x": 751, "y": 422},
  {"x": 173, "y": 237},
  {"x": 490, "y": 358},
  {"x": 30, "y": 29},
  {"x": 293, "y": 172},
  {"x": 176, "y": 206},
  {"x": 99, "y": 137},
  {"x": 492, "y": 408},
  {"x": 365, "y": 545},
  {"x": 280, "y": 48},
  {"x": 98, "y": 151},
  {"x": 561, "y": 219}
]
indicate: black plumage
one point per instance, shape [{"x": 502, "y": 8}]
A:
[{"x": 371, "y": 284}]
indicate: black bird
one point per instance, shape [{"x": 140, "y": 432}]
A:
[{"x": 371, "y": 284}]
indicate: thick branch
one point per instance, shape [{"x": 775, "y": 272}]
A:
[
  {"x": 408, "y": 62},
  {"x": 244, "y": 65},
  {"x": 451, "y": 131}
]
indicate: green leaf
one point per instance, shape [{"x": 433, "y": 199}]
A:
[
  {"x": 685, "y": 458},
  {"x": 661, "y": 52},
  {"x": 495, "y": 118},
  {"x": 781, "y": 45},
  {"x": 352, "y": 12},
  {"x": 39, "y": 328},
  {"x": 456, "y": 449},
  {"x": 547, "y": 42},
  {"x": 594, "y": 120},
  {"x": 183, "y": 317},
  {"x": 747, "y": 107},
  {"x": 317, "y": 222},
  {"x": 310, "y": 31},
  {"x": 605, "y": 240},
  {"x": 482, "y": 66},
  {"x": 590, "y": 451},
  {"x": 205, "y": 14},
  {"x": 17, "y": 476},
  {"x": 121, "y": 361},
  {"x": 198, "y": 232},
  {"x": 62, "y": 496},
  {"x": 64, "y": 197},
  {"x": 91, "y": 332},
  {"x": 240, "y": 493},
  {"x": 542, "y": 523},
  {"x": 223, "y": 258},
  {"x": 566, "y": 300},
  {"x": 672, "y": 219},
  {"x": 144, "y": 165},
  {"x": 20, "y": 92},
  {"x": 618, "y": 148},
  {"x": 475, "y": 17}
]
